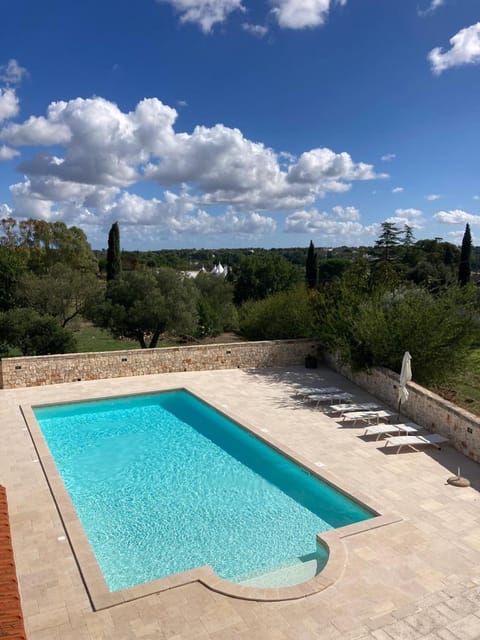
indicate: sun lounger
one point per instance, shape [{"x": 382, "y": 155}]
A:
[
  {"x": 303, "y": 392},
  {"x": 360, "y": 406},
  {"x": 368, "y": 416},
  {"x": 320, "y": 398},
  {"x": 413, "y": 442},
  {"x": 384, "y": 429}
]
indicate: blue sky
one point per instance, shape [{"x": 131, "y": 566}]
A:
[{"x": 230, "y": 123}]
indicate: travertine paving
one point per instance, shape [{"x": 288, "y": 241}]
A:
[{"x": 417, "y": 578}]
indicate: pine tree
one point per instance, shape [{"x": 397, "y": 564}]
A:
[
  {"x": 114, "y": 266},
  {"x": 465, "y": 255},
  {"x": 311, "y": 267}
]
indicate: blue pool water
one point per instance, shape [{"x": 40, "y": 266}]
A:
[{"x": 163, "y": 483}]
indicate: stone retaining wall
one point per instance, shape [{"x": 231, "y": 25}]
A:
[
  {"x": 40, "y": 370},
  {"x": 423, "y": 407}
]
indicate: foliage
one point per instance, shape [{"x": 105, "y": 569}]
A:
[
  {"x": 375, "y": 330},
  {"x": 311, "y": 267},
  {"x": 330, "y": 269},
  {"x": 283, "y": 315},
  {"x": 43, "y": 244},
  {"x": 216, "y": 311},
  {"x": 144, "y": 304},
  {"x": 33, "y": 333},
  {"x": 261, "y": 276},
  {"x": 12, "y": 267},
  {"x": 114, "y": 265},
  {"x": 61, "y": 292},
  {"x": 465, "y": 257}
]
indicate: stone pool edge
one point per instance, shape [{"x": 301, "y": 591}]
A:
[{"x": 99, "y": 595}]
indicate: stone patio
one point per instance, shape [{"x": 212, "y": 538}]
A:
[{"x": 416, "y": 578}]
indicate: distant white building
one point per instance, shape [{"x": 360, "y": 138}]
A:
[{"x": 217, "y": 270}]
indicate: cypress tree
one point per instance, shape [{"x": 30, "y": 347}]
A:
[
  {"x": 311, "y": 268},
  {"x": 465, "y": 255},
  {"x": 114, "y": 266}
]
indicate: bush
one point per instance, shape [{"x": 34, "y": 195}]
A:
[
  {"x": 437, "y": 330},
  {"x": 284, "y": 315},
  {"x": 34, "y": 334}
]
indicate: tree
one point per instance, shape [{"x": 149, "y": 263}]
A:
[
  {"x": 261, "y": 275},
  {"x": 62, "y": 292},
  {"x": 283, "y": 315},
  {"x": 387, "y": 241},
  {"x": 465, "y": 257},
  {"x": 143, "y": 305},
  {"x": 408, "y": 236},
  {"x": 12, "y": 266},
  {"x": 216, "y": 311},
  {"x": 34, "y": 334},
  {"x": 114, "y": 266},
  {"x": 311, "y": 267}
]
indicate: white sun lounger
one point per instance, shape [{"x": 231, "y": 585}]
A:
[
  {"x": 303, "y": 392},
  {"x": 384, "y": 429},
  {"x": 360, "y": 406},
  {"x": 368, "y": 416},
  {"x": 328, "y": 397},
  {"x": 413, "y": 442}
]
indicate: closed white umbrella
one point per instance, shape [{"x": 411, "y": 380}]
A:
[{"x": 405, "y": 377}]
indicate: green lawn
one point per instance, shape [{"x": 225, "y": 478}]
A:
[
  {"x": 96, "y": 339},
  {"x": 464, "y": 388}
]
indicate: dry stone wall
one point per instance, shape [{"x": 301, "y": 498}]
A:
[
  {"x": 41, "y": 370},
  {"x": 425, "y": 408}
]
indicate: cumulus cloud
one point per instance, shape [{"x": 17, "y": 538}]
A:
[
  {"x": 456, "y": 216},
  {"x": 347, "y": 213},
  {"x": 6, "y": 153},
  {"x": 257, "y": 30},
  {"x": 465, "y": 49},
  {"x": 408, "y": 213},
  {"x": 397, "y": 190},
  {"x": 9, "y": 104},
  {"x": 12, "y": 72},
  {"x": 433, "y": 196},
  {"x": 433, "y": 6},
  {"x": 388, "y": 157},
  {"x": 313, "y": 222},
  {"x": 100, "y": 151},
  {"x": 204, "y": 13},
  {"x": 301, "y": 14}
]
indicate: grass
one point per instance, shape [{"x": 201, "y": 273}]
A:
[
  {"x": 96, "y": 339},
  {"x": 464, "y": 388}
]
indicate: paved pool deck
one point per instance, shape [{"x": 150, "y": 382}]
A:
[{"x": 416, "y": 578}]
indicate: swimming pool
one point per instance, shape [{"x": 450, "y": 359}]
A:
[{"x": 163, "y": 483}]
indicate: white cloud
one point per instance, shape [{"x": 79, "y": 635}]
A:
[
  {"x": 476, "y": 198},
  {"x": 100, "y": 150},
  {"x": 257, "y": 30},
  {"x": 12, "y": 72},
  {"x": 313, "y": 222},
  {"x": 434, "y": 5},
  {"x": 6, "y": 153},
  {"x": 205, "y": 13},
  {"x": 388, "y": 157},
  {"x": 456, "y": 216},
  {"x": 9, "y": 103},
  {"x": 346, "y": 213},
  {"x": 465, "y": 49},
  {"x": 433, "y": 196},
  {"x": 408, "y": 213},
  {"x": 301, "y": 14},
  {"x": 397, "y": 190},
  {"x": 5, "y": 211}
]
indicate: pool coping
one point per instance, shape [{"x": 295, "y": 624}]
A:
[{"x": 102, "y": 598}]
